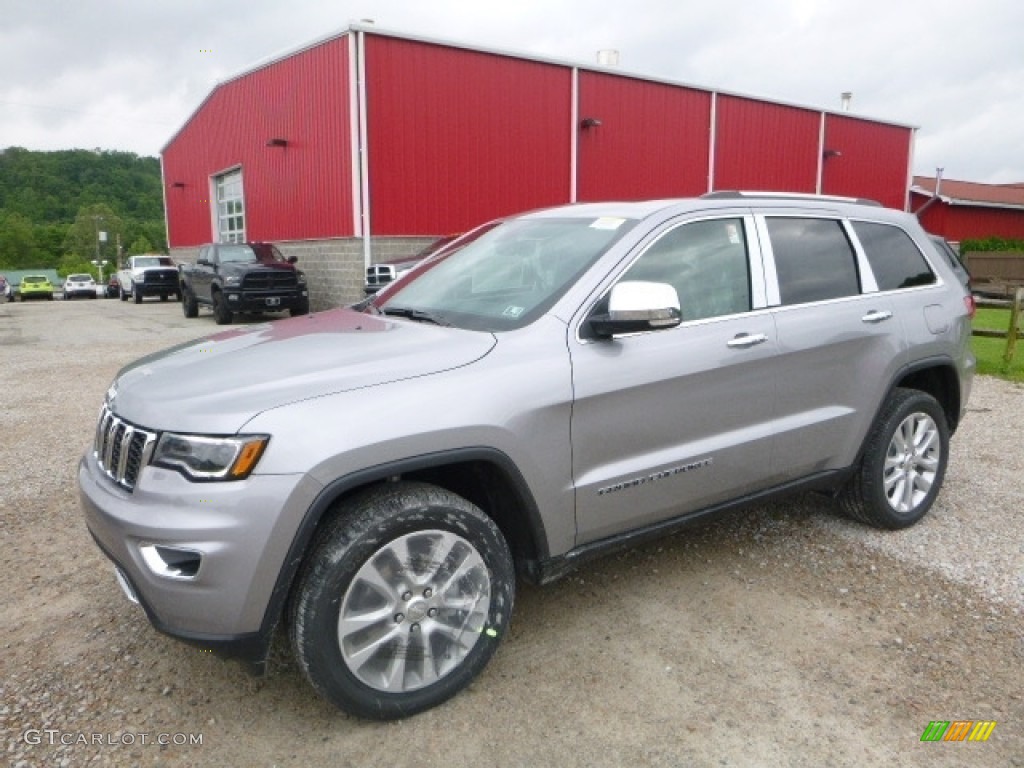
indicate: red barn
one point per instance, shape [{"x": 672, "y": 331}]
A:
[
  {"x": 965, "y": 210},
  {"x": 364, "y": 144}
]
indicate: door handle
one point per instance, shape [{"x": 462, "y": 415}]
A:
[
  {"x": 746, "y": 340},
  {"x": 876, "y": 317}
]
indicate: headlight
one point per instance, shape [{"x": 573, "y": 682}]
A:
[
  {"x": 210, "y": 458},
  {"x": 301, "y": 277},
  {"x": 232, "y": 280}
]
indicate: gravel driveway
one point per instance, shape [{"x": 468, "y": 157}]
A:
[{"x": 785, "y": 636}]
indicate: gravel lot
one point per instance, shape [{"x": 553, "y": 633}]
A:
[{"x": 786, "y": 636}]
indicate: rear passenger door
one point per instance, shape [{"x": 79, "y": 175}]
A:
[{"x": 839, "y": 342}]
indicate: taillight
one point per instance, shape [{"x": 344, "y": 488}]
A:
[{"x": 969, "y": 303}]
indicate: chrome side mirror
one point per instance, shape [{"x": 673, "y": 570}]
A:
[{"x": 635, "y": 306}]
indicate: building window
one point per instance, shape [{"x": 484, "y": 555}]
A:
[{"x": 230, "y": 208}]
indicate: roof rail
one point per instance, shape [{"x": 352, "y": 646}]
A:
[{"x": 733, "y": 194}]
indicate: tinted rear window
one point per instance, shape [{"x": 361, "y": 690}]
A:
[
  {"x": 813, "y": 258},
  {"x": 894, "y": 258}
]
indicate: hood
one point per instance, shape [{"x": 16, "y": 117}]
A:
[{"x": 215, "y": 385}]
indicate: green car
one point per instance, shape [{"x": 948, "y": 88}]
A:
[{"x": 36, "y": 287}]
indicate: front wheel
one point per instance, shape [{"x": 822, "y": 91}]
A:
[
  {"x": 903, "y": 465},
  {"x": 403, "y": 601},
  {"x": 301, "y": 309},
  {"x": 189, "y": 305},
  {"x": 137, "y": 295},
  {"x": 221, "y": 314}
]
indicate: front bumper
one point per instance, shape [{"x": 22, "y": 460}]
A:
[
  {"x": 202, "y": 558},
  {"x": 265, "y": 301}
]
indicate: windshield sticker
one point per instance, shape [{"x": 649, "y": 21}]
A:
[
  {"x": 734, "y": 234},
  {"x": 607, "y": 222},
  {"x": 513, "y": 311}
]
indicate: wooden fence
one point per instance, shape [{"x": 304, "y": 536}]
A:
[
  {"x": 1013, "y": 329},
  {"x": 995, "y": 273}
]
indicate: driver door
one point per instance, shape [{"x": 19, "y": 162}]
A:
[{"x": 670, "y": 421}]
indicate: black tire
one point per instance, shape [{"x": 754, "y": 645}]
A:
[
  {"x": 879, "y": 493},
  {"x": 136, "y": 296},
  {"x": 412, "y": 642},
  {"x": 163, "y": 297},
  {"x": 121, "y": 294},
  {"x": 221, "y": 314},
  {"x": 301, "y": 309},
  {"x": 189, "y": 305}
]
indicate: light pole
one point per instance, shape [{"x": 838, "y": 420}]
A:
[
  {"x": 100, "y": 264},
  {"x": 96, "y": 219}
]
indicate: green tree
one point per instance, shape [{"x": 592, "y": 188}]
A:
[
  {"x": 83, "y": 238},
  {"x": 17, "y": 242},
  {"x": 140, "y": 245},
  {"x": 71, "y": 264}
]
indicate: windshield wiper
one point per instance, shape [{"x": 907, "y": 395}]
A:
[{"x": 418, "y": 315}]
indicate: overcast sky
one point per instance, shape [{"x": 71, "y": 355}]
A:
[{"x": 126, "y": 74}]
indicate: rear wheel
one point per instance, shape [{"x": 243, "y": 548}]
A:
[
  {"x": 402, "y": 602},
  {"x": 903, "y": 465},
  {"x": 221, "y": 314}
]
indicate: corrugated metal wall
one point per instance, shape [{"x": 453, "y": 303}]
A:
[
  {"x": 652, "y": 141},
  {"x": 965, "y": 222},
  {"x": 763, "y": 146},
  {"x": 300, "y": 191},
  {"x": 874, "y": 160},
  {"x": 457, "y": 137}
]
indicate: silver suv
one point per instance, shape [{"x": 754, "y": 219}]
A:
[{"x": 555, "y": 385}]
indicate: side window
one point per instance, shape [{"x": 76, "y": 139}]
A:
[
  {"x": 706, "y": 262},
  {"x": 813, "y": 259},
  {"x": 895, "y": 260}
]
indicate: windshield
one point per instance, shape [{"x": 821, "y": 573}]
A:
[
  {"x": 504, "y": 275},
  {"x": 154, "y": 261},
  {"x": 263, "y": 252}
]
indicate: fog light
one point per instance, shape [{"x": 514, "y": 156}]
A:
[{"x": 170, "y": 562}]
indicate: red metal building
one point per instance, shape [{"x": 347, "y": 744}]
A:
[
  {"x": 965, "y": 210},
  {"x": 339, "y": 148}
]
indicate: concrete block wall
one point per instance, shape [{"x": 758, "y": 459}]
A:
[{"x": 334, "y": 268}]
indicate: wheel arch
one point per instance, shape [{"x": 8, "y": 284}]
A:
[
  {"x": 486, "y": 477},
  {"x": 938, "y": 377}
]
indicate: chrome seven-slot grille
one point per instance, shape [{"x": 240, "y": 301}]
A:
[{"x": 122, "y": 449}]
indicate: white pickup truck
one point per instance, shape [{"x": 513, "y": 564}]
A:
[{"x": 149, "y": 275}]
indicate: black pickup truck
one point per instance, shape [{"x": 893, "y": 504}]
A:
[{"x": 243, "y": 277}]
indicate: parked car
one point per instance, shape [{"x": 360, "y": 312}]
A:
[
  {"x": 233, "y": 278},
  {"x": 149, "y": 275},
  {"x": 35, "y": 287},
  {"x": 566, "y": 382},
  {"x": 6, "y": 292},
  {"x": 79, "y": 284},
  {"x": 113, "y": 289},
  {"x": 385, "y": 272},
  {"x": 953, "y": 257}
]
